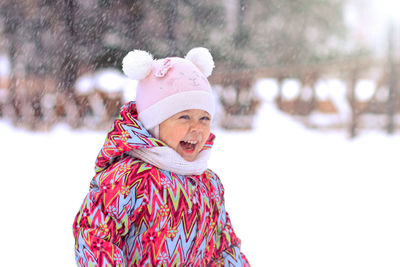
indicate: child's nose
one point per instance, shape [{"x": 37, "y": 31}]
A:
[{"x": 195, "y": 126}]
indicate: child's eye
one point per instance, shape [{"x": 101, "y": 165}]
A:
[
  {"x": 205, "y": 118},
  {"x": 185, "y": 117}
]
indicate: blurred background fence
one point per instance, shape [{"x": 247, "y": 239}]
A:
[{"x": 60, "y": 60}]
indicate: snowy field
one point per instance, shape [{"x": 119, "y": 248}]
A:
[{"x": 296, "y": 197}]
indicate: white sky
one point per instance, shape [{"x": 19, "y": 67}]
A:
[{"x": 369, "y": 23}]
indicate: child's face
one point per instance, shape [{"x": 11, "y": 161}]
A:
[{"x": 186, "y": 132}]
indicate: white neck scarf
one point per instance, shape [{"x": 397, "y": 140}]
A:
[{"x": 168, "y": 159}]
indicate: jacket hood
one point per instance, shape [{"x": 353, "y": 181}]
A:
[{"x": 127, "y": 133}]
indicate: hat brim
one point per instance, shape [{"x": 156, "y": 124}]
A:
[{"x": 166, "y": 108}]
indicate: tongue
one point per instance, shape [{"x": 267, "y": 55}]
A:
[{"x": 187, "y": 146}]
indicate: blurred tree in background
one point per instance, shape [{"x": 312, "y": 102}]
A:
[
  {"x": 285, "y": 32},
  {"x": 56, "y": 41},
  {"x": 63, "y": 36}
]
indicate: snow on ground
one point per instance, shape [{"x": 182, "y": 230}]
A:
[
  {"x": 296, "y": 197},
  {"x": 305, "y": 198}
]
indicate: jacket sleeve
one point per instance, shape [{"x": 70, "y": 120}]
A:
[
  {"x": 104, "y": 219},
  {"x": 227, "y": 251}
]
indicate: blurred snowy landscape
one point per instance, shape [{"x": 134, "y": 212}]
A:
[{"x": 296, "y": 197}]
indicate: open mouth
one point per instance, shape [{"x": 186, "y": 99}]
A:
[{"x": 188, "y": 146}]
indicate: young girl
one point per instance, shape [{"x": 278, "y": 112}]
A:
[{"x": 153, "y": 202}]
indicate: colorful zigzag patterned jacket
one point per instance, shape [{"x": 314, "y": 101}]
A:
[{"x": 138, "y": 215}]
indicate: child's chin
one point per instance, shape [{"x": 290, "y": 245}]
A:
[{"x": 189, "y": 157}]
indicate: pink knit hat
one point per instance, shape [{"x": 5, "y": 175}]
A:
[{"x": 171, "y": 85}]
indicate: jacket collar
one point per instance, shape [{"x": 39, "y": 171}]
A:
[{"x": 126, "y": 134}]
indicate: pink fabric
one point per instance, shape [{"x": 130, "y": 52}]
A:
[{"x": 168, "y": 77}]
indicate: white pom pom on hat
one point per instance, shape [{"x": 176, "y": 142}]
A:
[
  {"x": 137, "y": 64},
  {"x": 202, "y": 58}
]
